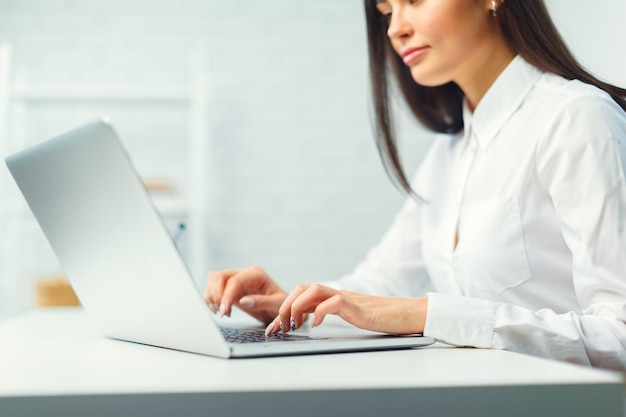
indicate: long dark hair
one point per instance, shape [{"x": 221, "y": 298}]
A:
[{"x": 528, "y": 31}]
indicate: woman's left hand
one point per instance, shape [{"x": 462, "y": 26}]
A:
[{"x": 382, "y": 314}]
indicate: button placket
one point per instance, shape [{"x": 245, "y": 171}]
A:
[{"x": 467, "y": 158}]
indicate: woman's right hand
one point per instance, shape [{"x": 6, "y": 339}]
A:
[{"x": 250, "y": 289}]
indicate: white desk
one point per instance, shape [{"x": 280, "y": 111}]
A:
[{"x": 54, "y": 363}]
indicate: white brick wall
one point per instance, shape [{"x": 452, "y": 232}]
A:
[{"x": 294, "y": 180}]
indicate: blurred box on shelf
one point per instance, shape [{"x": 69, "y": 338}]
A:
[{"x": 55, "y": 291}]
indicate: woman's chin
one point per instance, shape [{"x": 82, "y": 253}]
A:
[{"x": 428, "y": 79}]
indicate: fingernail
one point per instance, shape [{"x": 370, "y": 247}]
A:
[
  {"x": 282, "y": 328},
  {"x": 269, "y": 329},
  {"x": 292, "y": 323},
  {"x": 222, "y": 310},
  {"x": 247, "y": 302},
  {"x": 213, "y": 308}
]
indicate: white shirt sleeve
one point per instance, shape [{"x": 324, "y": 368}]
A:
[
  {"x": 581, "y": 164},
  {"x": 595, "y": 338}
]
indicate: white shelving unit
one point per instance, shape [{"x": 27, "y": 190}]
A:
[{"x": 16, "y": 97}]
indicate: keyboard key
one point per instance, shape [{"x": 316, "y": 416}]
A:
[{"x": 257, "y": 336}]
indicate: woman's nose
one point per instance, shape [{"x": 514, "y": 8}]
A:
[{"x": 399, "y": 25}]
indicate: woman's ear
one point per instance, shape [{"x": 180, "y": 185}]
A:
[{"x": 493, "y": 5}]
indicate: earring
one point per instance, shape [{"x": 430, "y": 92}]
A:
[{"x": 494, "y": 8}]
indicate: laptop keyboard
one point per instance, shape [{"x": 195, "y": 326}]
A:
[{"x": 257, "y": 336}]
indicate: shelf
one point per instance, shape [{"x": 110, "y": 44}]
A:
[
  {"x": 167, "y": 206},
  {"x": 71, "y": 92},
  {"x": 171, "y": 206}
]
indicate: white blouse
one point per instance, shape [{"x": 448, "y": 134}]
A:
[{"x": 535, "y": 186}]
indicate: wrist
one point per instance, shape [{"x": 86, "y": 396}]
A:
[
  {"x": 408, "y": 316},
  {"x": 422, "y": 311}
]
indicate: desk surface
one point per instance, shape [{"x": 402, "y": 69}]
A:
[{"x": 55, "y": 361}]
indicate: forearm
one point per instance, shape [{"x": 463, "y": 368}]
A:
[{"x": 591, "y": 339}]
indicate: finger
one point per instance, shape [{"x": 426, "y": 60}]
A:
[
  {"x": 304, "y": 302},
  {"x": 262, "y": 307},
  {"x": 240, "y": 284},
  {"x": 273, "y": 327},
  {"x": 333, "y": 305},
  {"x": 284, "y": 312},
  {"x": 233, "y": 289},
  {"x": 257, "y": 302},
  {"x": 208, "y": 292},
  {"x": 216, "y": 282},
  {"x": 308, "y": 301}
]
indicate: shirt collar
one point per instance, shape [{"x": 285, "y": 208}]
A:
[{"x": 502, "y": 99}]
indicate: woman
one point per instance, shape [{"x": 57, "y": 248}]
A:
[{"x": 514, "y": 234}]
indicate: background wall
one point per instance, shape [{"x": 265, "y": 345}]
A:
[{"x": 291, "y": 180}]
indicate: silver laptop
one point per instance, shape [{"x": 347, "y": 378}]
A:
[{"x": 123, "y": 264}]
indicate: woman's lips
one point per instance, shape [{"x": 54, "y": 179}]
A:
[{"x": 410, "y": 55}]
